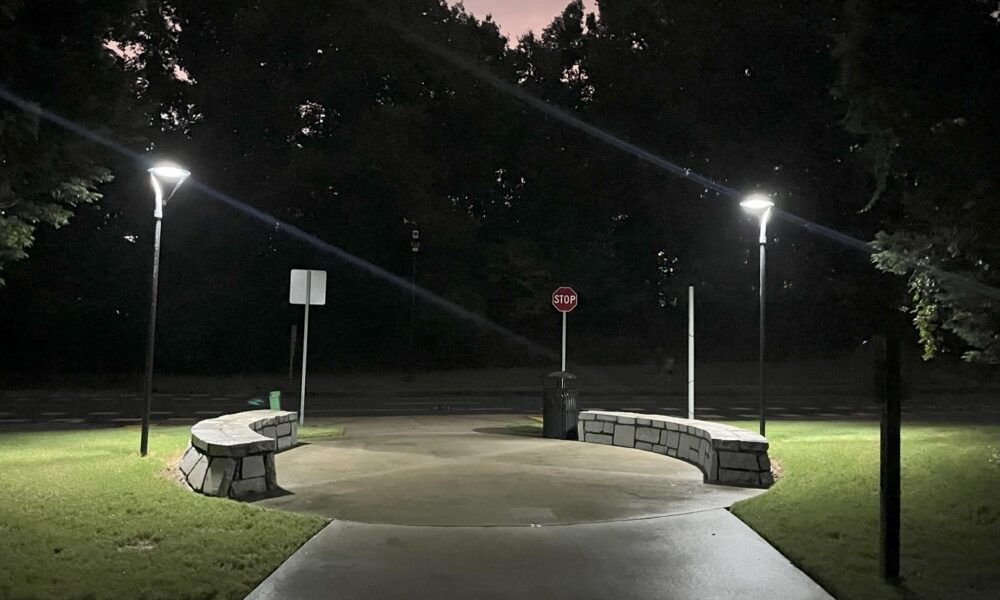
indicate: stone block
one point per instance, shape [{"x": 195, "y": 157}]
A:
[
  {"x": 270, "y": 473},
  {"x": 271, "y": 432},
  {"x": 659, "y": 448},
  {"x": 671, "y": 426},
  {"x": 284, "y": 429},
  {"x": 598, "y": 438},
  {"x": 738, "y": 477},
  {"x": 643, "y": 422},
  {"x": 197, "y": 475},
  {"x": 253, "y": 466},
  {"x": 593, "y": 426},
  {"x": 626, "y": 420},
  {"x": 659, "y": 424},
  {"x": 604, "y": 417},
  {"x": 219, "y": 477},
  {"x": 766, "y": 479},
  {"x": 608, "y": 427},
  {"x": 244, "y": 487},
  {"x": 625, "y": 436},
  {"x": 672, "y": 452},
  {"x": 643, "y": 446},
  {"x": 647, "y": 434},
  {"x": 673, "y": 440},
  {"x": 284, "y": 443},
  {"x": 295, "y": 433},
  {"x": 189, "y": 460},
  {"x": 585, "y": 416},
  {"x": 738, "y": 460},
  {"x": 694, "y": 455},
  {"x": 763, "y": 462}
]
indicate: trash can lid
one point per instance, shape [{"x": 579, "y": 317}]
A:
[{"x": 561, "y": 375}]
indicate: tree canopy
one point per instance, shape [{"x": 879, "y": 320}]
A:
[{"x": 330, "y": 118}]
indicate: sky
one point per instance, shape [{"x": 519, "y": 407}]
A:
[{"x": 517, "y": 17}]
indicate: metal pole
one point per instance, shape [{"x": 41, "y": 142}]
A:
[
  {"x": 763, "y": 417},
  {"x": 147, "y": 391},
  {"x": 413, "y": 306},
  {"x": 305, "y": 350},
  {"x": 690, "y": 351},
  {"x": 889, "y": 475},
  {"x": 564, "y": 344},
  {"x": 291, "y": 354}
]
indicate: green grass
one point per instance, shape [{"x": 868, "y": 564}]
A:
[
  {"x": 83, "y": 516},
  {"x": 823, "y": 513},
  {"x": 321, "y": 430}
]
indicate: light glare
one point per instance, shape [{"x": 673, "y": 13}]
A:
[
  {"x": 169, "y": 172},
  {"x": 756, "y": 203}
]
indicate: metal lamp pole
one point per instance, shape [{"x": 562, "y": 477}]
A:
[
  {"x": 414, "y": 251},
  {"x": 173, "y": 177},
  {"x": 761, "y": 205}
]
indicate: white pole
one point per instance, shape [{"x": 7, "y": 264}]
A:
[
  {"x": 305, "y": 350},
  {"x": 690, "y": 351},
  {"x": 562, "y": 382}
]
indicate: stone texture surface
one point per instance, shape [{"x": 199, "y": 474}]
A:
[
  {"x": 647, "y": 434},
  {"x": 245, "y": 487},
  {"x": 624, "y": 435},
  {"x": 726, "y": 455},
  {"x": 598, "y": 438},
  {"x": 197, "y": 475},
  {"x": 253, "y": 466}
]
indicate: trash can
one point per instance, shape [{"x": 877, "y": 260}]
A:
[{"x": 559, "y": 408}]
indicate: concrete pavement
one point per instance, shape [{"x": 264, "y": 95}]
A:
[{"x": 470, "y": 507}]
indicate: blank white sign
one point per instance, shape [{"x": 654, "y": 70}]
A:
[{"x": 297, "y": 290}]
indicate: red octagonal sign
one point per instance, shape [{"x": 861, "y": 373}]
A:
[{"x": 564, "y": 299}]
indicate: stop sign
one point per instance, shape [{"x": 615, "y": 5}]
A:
[{"x": 564, "y": 299}]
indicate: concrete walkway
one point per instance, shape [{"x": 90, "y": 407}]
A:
[{"x": 465, "y": 507}]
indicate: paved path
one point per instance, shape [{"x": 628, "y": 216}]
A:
[{"x": 469, "y": 507}]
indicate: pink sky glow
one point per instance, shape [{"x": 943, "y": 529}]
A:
[{"x": 517, "y": 17}]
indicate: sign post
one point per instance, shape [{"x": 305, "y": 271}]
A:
[
  {"x": 309, "y": 288},
  {"x": 565, "y": 300},
  {"x": 691, "y": 352}
]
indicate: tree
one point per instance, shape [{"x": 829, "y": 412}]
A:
[
  {"x": 62, "y": 64},
  {"x": 923, "y": 80}
]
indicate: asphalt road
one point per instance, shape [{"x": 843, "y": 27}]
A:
[{"x": 728, "y": 402}]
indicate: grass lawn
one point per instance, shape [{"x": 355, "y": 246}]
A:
[
  {"x": 823, "y": 513},
  {"x": 82, "y": 516}
]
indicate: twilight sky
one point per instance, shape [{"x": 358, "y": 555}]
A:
[{"x": 516, "y": 17}]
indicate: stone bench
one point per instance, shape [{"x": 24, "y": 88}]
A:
[
  {"x": 233, "y": 455},
  {"x": 726, "y": 455}
]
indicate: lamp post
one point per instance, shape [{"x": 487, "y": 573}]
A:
[
  {"x": 760, "y": 205},
  {"x": 414, "y": 250},
  {"x": 165, "y": 179}
]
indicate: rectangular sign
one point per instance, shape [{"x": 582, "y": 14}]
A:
[{"x": 297, "y": 290}]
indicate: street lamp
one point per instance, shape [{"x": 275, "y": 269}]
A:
[
  {"x": 760, "y": 205},
  {"x": 165, "y": 179}
]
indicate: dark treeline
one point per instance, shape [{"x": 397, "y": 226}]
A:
[{"x": 323, "y": 116}]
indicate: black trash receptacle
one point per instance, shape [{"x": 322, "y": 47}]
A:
[{"x": 559, "y": 408}]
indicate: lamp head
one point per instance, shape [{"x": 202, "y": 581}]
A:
[
  {"x": 166, "y": 178},
  {"x": 757, "y": 203}
]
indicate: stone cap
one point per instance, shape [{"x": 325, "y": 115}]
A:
[
  {"x": 234, "y": 434},
  {"x": 722, "y": 437}
]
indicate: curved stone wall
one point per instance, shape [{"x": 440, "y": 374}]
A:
[
  {"x": 233, "y": 455},
  {"x": 725, "y": 454}
]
